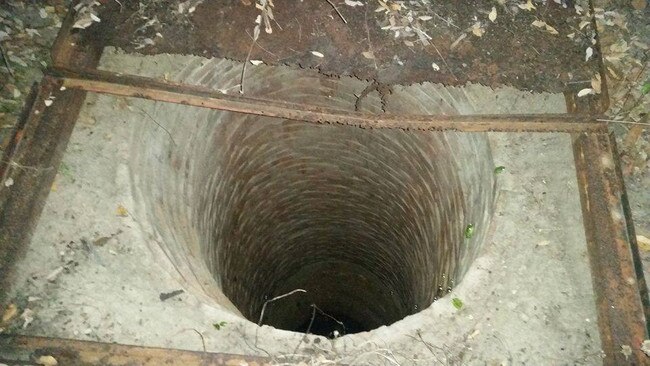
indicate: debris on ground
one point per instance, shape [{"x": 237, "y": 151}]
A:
[{"x": 168, "y": 295}]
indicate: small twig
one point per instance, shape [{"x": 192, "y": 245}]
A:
[
  {"x": 262, "y": 48},
  {"x": 121, "y": 6},
  {"x": 159, "y": 125},
  {"x": 311, "y": 322},
  {"x": 579, "y": 82},
  {"x": 197, "y": 332},
  {"x": 243, "y": 69},
  {"x": 256, "y": 347},
  {"x": 449, "y": 22},
  {"x": 331, "y": 317},
  {"x": 4, "y": 57},
  {"x": 24, "y": 167},
  {"x": 278, "y": 24},
  {"x": 632, "y": 84},
  {"x": 202, "y": 339},
  {"x": 259, "y": 323},
  {"x": 624, "y": 122},
  {"x": 337, "y": 11},
  {"x": 365, "y": 20},
  {"x": 430, "y": 347},
  {"x": 313, "y": 315},
  {"x": 443, "y": 60},
  {"x": 299, "y": 30},
  {"x": 364, "y": 93}
]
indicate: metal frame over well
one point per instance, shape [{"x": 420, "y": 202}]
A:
[{"x": 42, "y": 135}]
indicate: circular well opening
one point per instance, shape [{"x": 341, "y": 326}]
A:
[{"x": 369, "y": 223}]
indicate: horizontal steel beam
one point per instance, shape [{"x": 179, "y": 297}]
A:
[
  {"x": 147, "y": 88},
  {"x": 23, "y": 350}
]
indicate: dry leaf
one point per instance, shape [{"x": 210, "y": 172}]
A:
[
  {"x": 83, "y": 23},
  {"x": 620, "y": 46},
  {"x": 583, "y": 24},
  {"x": 10, "y": 312},
  {"x": 28, "y": 317},
  {"x": 539, "y": 23},
  {"x": 527, "y": 6},
  {"x": 645, "y": 347},
  {"x": 551, "y": 29},
  {"x": 596, "y": 83},
  {"x": 317, "y": 54},
  {"x": 643, "y": 242},
  {"x": 626, "y": 351},
  {"x": 585, "y": 91},
  {"x": 613, "y": 73},
  {"x": 588, "y": 53},
  {"x": 353, "y": 3},
  {"x": 47, "y": 361},
  {"x": 369, "y": 55},
  {"x": 435, "y": 66},
  {"x": 571, "y": 35},
  {"x": 122, "y": 211},
  {"x": 457, "y": 41},
  {"x": 477, "y": 30},
  {"x": 493, "y": 14},
  {"x": 425, "y": 17}
]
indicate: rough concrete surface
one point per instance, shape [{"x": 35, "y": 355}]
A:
[{"x": 95, "y": 270}]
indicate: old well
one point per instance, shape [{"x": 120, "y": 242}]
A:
[
  {"x": 370, "y": 223},
  {"x": 171, "y": 226}
]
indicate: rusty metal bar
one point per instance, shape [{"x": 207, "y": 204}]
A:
[
  {"x": 22, "y": 350},
  {"x": 72, "y": 49},
  {"x": 141, "y": 87},
  {"x": 631, "y": 234},
  {"x": 616, "y": 278},
  {"x": 28, "y": 169}
]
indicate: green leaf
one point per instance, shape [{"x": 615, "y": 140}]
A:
[
  {"x": 469, "y": 231},
  {"x": 458, "y": 303},
  {"x": 645, "y": 89},
  {"x": 66, "y": 171},
  {"x": 219, "y": 325},
  {"x": 499, "y": 169}
]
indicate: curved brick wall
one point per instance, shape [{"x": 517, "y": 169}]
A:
[{"x": 369, "y": 222}]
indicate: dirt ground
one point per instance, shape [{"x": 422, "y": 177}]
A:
[{"x": 28, "y": 28}]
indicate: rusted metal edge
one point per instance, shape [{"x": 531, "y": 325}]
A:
[
  {"x": 19, "y": 129},
  {"x": 29, "y": 170},
  {"x": 62, "y": 48},
  {"x": 146, "y": 88},
  {"x": 25, "y": 350},
  {"x": 615, "y": 274},
  {"x": 71, "y": 49},
  {"x": 631, "y": 234}
]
